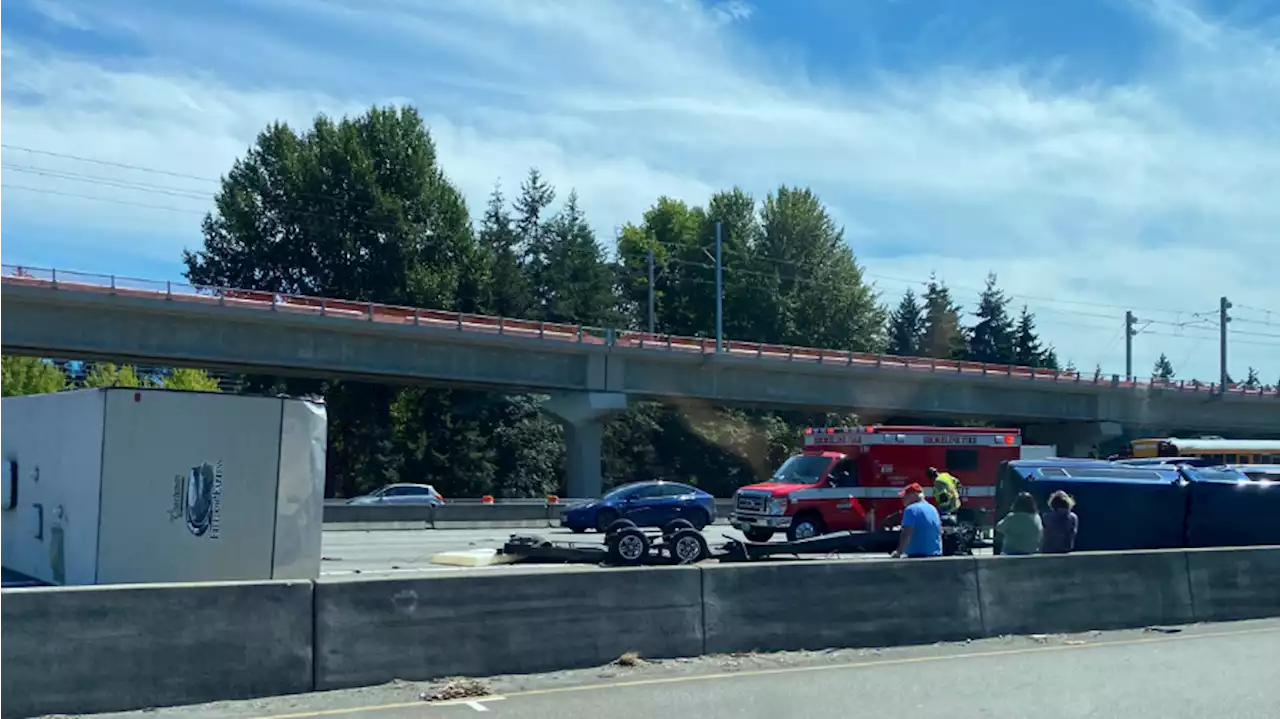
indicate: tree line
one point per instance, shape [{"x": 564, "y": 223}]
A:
[
  {"x": 360, "y": 208},
  {"x": 31, "y": 375},
  {"x": 1163, "y": 371}
]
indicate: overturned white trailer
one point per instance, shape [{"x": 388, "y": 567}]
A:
[{"x": 108, "y": 486}]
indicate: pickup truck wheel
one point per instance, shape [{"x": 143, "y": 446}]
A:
[
  {"x": 604, "y": 518},
  {"x": 629, "y": 547},
  {"x": 755, "y": 534},
  {"x": 688, "y": 546},
  {"x": 805, "y": 526}
]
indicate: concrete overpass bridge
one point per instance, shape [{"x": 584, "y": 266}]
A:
[{"x": 589, "y": 372}]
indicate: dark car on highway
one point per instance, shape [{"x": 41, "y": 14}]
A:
[{"x": 648, "y": 504}]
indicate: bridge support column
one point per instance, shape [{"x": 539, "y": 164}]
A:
[
  {"x": 583, "y": 415},
  {"x": 1073, "y": 439}
]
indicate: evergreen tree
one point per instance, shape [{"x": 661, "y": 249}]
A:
[
  {"x": 906, "y": 327},
  {"x": 509, "y": 294},
  {"x": 1049, "y": 359},
  {"x": 1162, "y": 371},
  {"x": 991, "y": 339},
  {"x": 943, "y": 337},
  {"x": 536, "y": 196},
  {"x": 1027, "y": 349},
  {"x": 575, "y": 285},
  {"x": 1252, "y": 381}
]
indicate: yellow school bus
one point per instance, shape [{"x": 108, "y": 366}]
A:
[{"x": 1213, "y": 449}]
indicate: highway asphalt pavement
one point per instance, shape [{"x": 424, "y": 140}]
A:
[{"x": 1222, "y": 671}]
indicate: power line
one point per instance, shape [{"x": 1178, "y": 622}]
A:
[
  {"x": 108, "y": 163},
  {"x": 111, "y": 200},
  {"x": 106, "y": 181}
]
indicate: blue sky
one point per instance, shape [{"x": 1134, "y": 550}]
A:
[{"x": 1099, "y": 155}]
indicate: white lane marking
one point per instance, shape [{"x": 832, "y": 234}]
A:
[{"x": 477, "y": 703}]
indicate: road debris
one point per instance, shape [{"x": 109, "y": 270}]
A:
[
  {"x": 630, "y": 659},
  {"x": 457, "y": 689}
]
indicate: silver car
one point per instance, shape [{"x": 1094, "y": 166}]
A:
[{"x": 401, "y": 494}]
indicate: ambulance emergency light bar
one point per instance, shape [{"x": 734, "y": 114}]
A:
[{"x": 872, "y": 434}]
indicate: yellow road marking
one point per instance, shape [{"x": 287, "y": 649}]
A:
[{"x": 657, "y": 681}]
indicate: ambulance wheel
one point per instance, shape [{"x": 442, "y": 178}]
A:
[
  {"x": 688, "y": 546},
  {"x": 670, "y": 528},
  {"x": 757, "y": 534},
  {"x": 629, "y": 547},
  {"x": 806, "y": 526},
  {"x": 616, "y": 526}
]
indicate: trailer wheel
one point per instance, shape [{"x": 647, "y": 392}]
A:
[
  {"x": 670, "y": 528},
  {"x": 616, "y": 526},
  {"x": 688, "y": 546},
  {"x": 629, "y": 547},
  {"x": 758, "y": 534}
]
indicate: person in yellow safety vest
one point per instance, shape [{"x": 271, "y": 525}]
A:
[{"x": 946, "y": 491}]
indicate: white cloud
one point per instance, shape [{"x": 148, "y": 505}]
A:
[
  {"x": 1157, "y": 194},
  {"x": 59, "y": 14}
]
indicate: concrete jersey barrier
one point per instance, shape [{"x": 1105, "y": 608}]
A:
[
  {"x": 121, "y": 648},
  {"x": 1080, "y": 592},
  {"x": 479, "y": 624},
  {"x": 115, "y": 648},
  {"x": 820, "y": 604},
  {"x": 1234, "y": 584}
]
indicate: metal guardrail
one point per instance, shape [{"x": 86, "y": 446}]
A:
[{"x": 349, "y": 310}]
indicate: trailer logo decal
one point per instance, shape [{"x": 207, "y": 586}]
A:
[{"x": 197, "y": 500}]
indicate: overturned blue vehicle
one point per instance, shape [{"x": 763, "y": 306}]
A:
[{"x": 1125, "y": 507}]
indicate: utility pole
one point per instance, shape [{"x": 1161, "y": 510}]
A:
[
  {"x": 720, "y": 295},
  {"x": 1129, "y": 334},
  {"x": 1223, "y": 320},
  {"x": 651, "y": 322}
]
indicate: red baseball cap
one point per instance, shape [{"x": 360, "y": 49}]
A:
[{"x": 910, "y": 488}]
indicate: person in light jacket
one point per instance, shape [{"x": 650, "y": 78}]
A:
[
  {"x": 1060, "y": 525},
  {"x": 1021, "y": 527}
]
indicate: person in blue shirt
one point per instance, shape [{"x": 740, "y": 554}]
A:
[{"x": 921, "y": 526}]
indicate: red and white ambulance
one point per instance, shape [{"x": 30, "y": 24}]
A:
[{"x": 847, "y": 477}]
